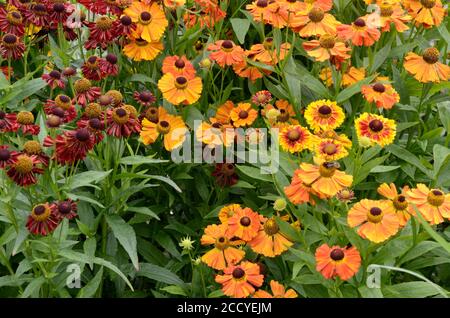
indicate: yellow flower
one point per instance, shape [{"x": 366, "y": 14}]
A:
[{"x": 324, "y": 115}]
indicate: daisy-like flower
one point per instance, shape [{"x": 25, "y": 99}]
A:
[
  {"x": 298, "y": 193},
  {"x": 261, "y": 10},
  {"x": 225, "y": 174},
  {"x": 215, "y": 134},
  {"x": 60, "y": 11},
  {"x": 180, "y": 89},
  {"x": 108, "y": 66},
  {"x": 11, "y": 21},
  {"x": 295, "y": 138},
  {"x": 42, "y": 220},
  {"x": 383, "y": 95},
  {"x": 433, "y": 204},
  {"x": 223, "y": 113},
  {"x": 124, "y": 26},
  {"x": 337, "y": 261},
  {"x": 172, "y": 128},
  {"x": 139, "y": 49},
  {"x": 331, "y": 134},
  {"x": 144, "y": 98},
  {"x": 8, "y": 122},
  {"x": 122, "y": 121},
  {"x": 376, "y": 220},
  {"x": 23, "y": 170},
  {"x": 7, "y": 157},
  {"x": 427, "y": 12},
  {"x": 150, "y": 20},
  {"x": 178, "y": 66},
  {"x": 64, "y": 209},
  {"x": 269, "y": 241},
  {"x": 345, "y": 195},
  {"x": 95, "y": 126},
  {"x": 227, "y": 212},
  {"x": 261, "y": 98},
  {"x": 359, "y": 32},
  {"x": 102, "y": 6},
  {"x": 378, "y": 129},
  {"x": 37, "y": 14},
  {"x": 427, "y": 68},
  {"x": 393, "y": 14},
  {"x": 225, "y": 252},
  {"x": 399, "y": 201},
  {"x": 85, "y": 92},
  {"x": 266, "y": 52},
  {"x": 54, "y": 79},
  {"x": 281, "y": 114},
  {"x": 329, "y": 150},
  {"x": 73, "y": 145},
  {"x": 314, "y": 21},
  {"x": 208, "y": 14},
  {"x": 62, "y": 107},
  {"x": 278, "y": 291},
  {"x": 11, "y": 47},
  {"x": 91, "y": 69},
  {"x": 25, "y": 120},
  {"x": 351, "y": 76},
  {"x": 226, "y": 53},
  {"x": 243, "y": 115},
  {"x": 33, "y": 148},
  {"x": 325, "y": 179},
  {"x": 325, "y": 48},
  {"x": 324, "y": 115},
  {"x": 246, "y": 70},
  {"x": 239, "y": 281},
  {"x": 244, "y": 224}
]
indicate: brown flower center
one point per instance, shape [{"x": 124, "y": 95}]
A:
[
  {"x": 116, "y": 97},
  {"x": 82, "y": 134},
  {"x": 400, "y": 202},
  {"x": 163, "y": 127},
  {"x": 145, "y": 17},
  {"x": 82, "y": 85},
  {"x": 330, "y": 149},
  {"x": 436, "y": 197},
  {"x": 360, "y": 23},
  {"x": 181, "y": 82},
  {"x": 376, "y": 125},
  {"x": 39, "y": 9},
  {"x": 227, "y": 46},
  {"x": 378, "y": 87},
  {"x": 93, "y": 110},
  {"x": 221, "y": 243},
  {"x": 180, "y": 63},
  {"x": 428, "y": 3},
  {"x": 271, "y": 227},
  {"x": 375, "y": 215},
  {"x": 325, "y": 111},
  {"x": 24, "y": 164},
  {"x": 25, "y": 118},
  {"x": 120, "y": 116},
  {"x": 262, "y": 3},
  {"x": 95, "y": 123},
  {"x": 4, "y": 155},
  {"x": 53, "y": 121},
  {"x": 386, "y": 10},
  {"x": 293, "y": 135},
  {"x": 14, "y": 17},
  {"x": 104, "y": 23},
  {"x": 431, "y": 55},
  {"x": 64, "y": 208},
  {"x": 316, "y": 14},
  {"x": 59, "y": 7},
  {"x": 337, "y": 254},
  {"x": 10, "y": 40},
  {"x": 32, "y": 147},
  {"x": 40, "y": 212},
  {"x": 243, "y": 114},
  {"x": 245, "y": 221},
  {"x": 63, "y": 101},
  {"x": 268, "y": 43},
  {"x": 126, "y": 20},
  {"x": 152, "y": 114},
  {"x": 327, "y": 41}
]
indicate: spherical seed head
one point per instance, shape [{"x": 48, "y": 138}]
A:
[
  {"x": 24, "y": 164},
  {"x": 279, "y": 204},
  {"x": 327, "y": 41},
  {"x": 93, "y": 110},
  {"x": 262, "y": 3},
  {"x": 58, "y": 111},
  {"x": 245, "y": 221},
  {"x": 64, "y": 207},
  {"x": 152, "y": 114},
  {"x": 330, "y": 149},
  {"x": 243, "y": 114},
  {"x": 431, "y": 55},
  {"x": 69, "y": 71},
  {"x": 181, "y": 82},
  {"x": 379, "y": 87},
  {"x": 400, "y": 202},
  {"x": 271, "y": 227},
  {"x": 59, "y": 7},
  {"x": 360, "y": 22},
  {"x": 105, "y": 100},
  {"x": 327, "y": 169},
  {"x": 227, "y": 44},
  {"x": 104, "y": 23},
  {"x": 63, "y": 101},
  {"x": 130, "y": 109},
  {"x": 163, "y": 127},
  {"x": 325, "y": 110},
  {"x": 116, "y": 96},
  {"x": 111, "y": 58},
  {"x": 82, "y": 85},
  {"x": 316, "y": 14},
  {"x": 32, "y": 147},
  {"x": 180, "y": 63},
  {"x": 238, "y": 272},
  {"x": 82, "y": 134},
  {"x": 293, "y": 135},
  {"x": 436, "y": 197},
  {"x": 376, "y": 125},
  {"x": 25, "y": 118},
  {"x": 95, "y": 123},
  {"x": 5, "y": 154},
  {"x": 429, "y": 4},
  {"x": 92, "y": 59},
  {"x": 337, "y": 254},
  {"x": 9, "y": 39},
  {"x": 55, "y": 74},
  {"x": 126, "y": 20},
  {"x": 53, "y": 121}
]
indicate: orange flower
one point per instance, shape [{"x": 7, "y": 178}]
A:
[
  {"x": 171, "y": 127},
  {"x": 150, "y": 19},
  {"x": 227, "y": 212},
  {"x": 225, "y": 52},
  {"x": 269, "y": 241},
  {"x": 278, "y": 291},
  {"x": 244, "y": 224},
  {"x": 393, "y": 14},
  {"x": 314, "y": 21},
  {"x": 243, "y": 115},
  {"x": 224, "y": 252},
  {"x": 398, "y": 201},
  {"x": 351, "y": 76},
  {"x": 383, "y": 95},
  {"x": 245, "y": 70},
  {"x": 240, "y": 281},
  {"x": 378, "y": 129},
  {"x": 326, "y": 5},
  {"x": 427, "y": 12},
  {"x": 140, "y": 50},
  {"x": 433, "y": 204},
  {"x": 337, "y": 261},
  {"x": 331, "y": 134},
  {"x": 180, "y": 90},
  {"x": 295, "y": 138},
  {"x": 262, "y": 10},
  {"x": 298, "y": 193},
  {"x": 215, "y": 134},
  {"x": 223, "y": 113},
  {"x": 377, "y": 220},
  {"x": 325, "y": 48},
  {"x": 266, "y": 53},
  {"x": 285, "y": 114},
  {"x": 325, "y": 179},
  {"x": 426, "y": 68},
  {"x": 178, "y": 66},
  {"x": 359, "y": 32},
  {"x": 329, "y": 150},
  {"x": 324, "y": 115}
]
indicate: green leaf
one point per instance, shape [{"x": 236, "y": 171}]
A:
[
  {"x": 444, "y": 114},
  {"x": 23, "y": 91},
  {"x": 254, "y": 173},
  {"x": 91, "y": 288},
  {"x": 408, "y": 157},
  {"x": 429, "y": 229},
  {"x": 192, "y": 114},
  {"x": 143, "y": 210},
  {"x": 353, "y": 89},
  {"x": 159, "y": 274},
  {"x": 240, "y": 28},
  {"x": 168, "y": 181},
  {"x": 82, "y": 258},
  {"x": 139, "y": 160},
  {"x": 367, "y": 292},
  {"x": 381, "y": 169},
  {"x": 441, "y": 156},
  {"x": 410, "y": 290},
  {"x": 126, "y": 236},
  {"x": 242, "y": 184},
  {"x": 32, "y": 290},
  {"x": 84, "y": 179},
  {"x": 174, "y": 290},
  {"x": 381, "y": 56}
]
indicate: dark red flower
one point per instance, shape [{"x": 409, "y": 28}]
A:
[
  {"x": 33, "y": 148},
  {"x": 124, "y": 26},
  {"x": 122, "y": 121},
  {"x": 101, "y": 33},
  {"x": 62, "y": 107},
  {"x": 23, "y": 170},
  {"x": 74, "y": 145},
  {"x": 108, "y": 65},
  {"x": 91, "y": 69},
  {"x": 54, "y": 79},
  {"x": 11, "y": 21},
  {"x": 37, "y": 14},
  {"x": 95, "y": 125},
  {"x": 42, "y": 220},
  {"x": 11, "y": 47},
  {"x": 8, "y": 122},
  {"x": 102, "y": 6},
  {"x": 7, "y": 156},
  {"x": 145, "y": 98},
  {"x": 225, "y": 174},
  {"x": 85, "y": 92},
  {"x": 25, "y": 120},
  {"x": 64, "y": 209},
  {"x": 60, "y": 11}
]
